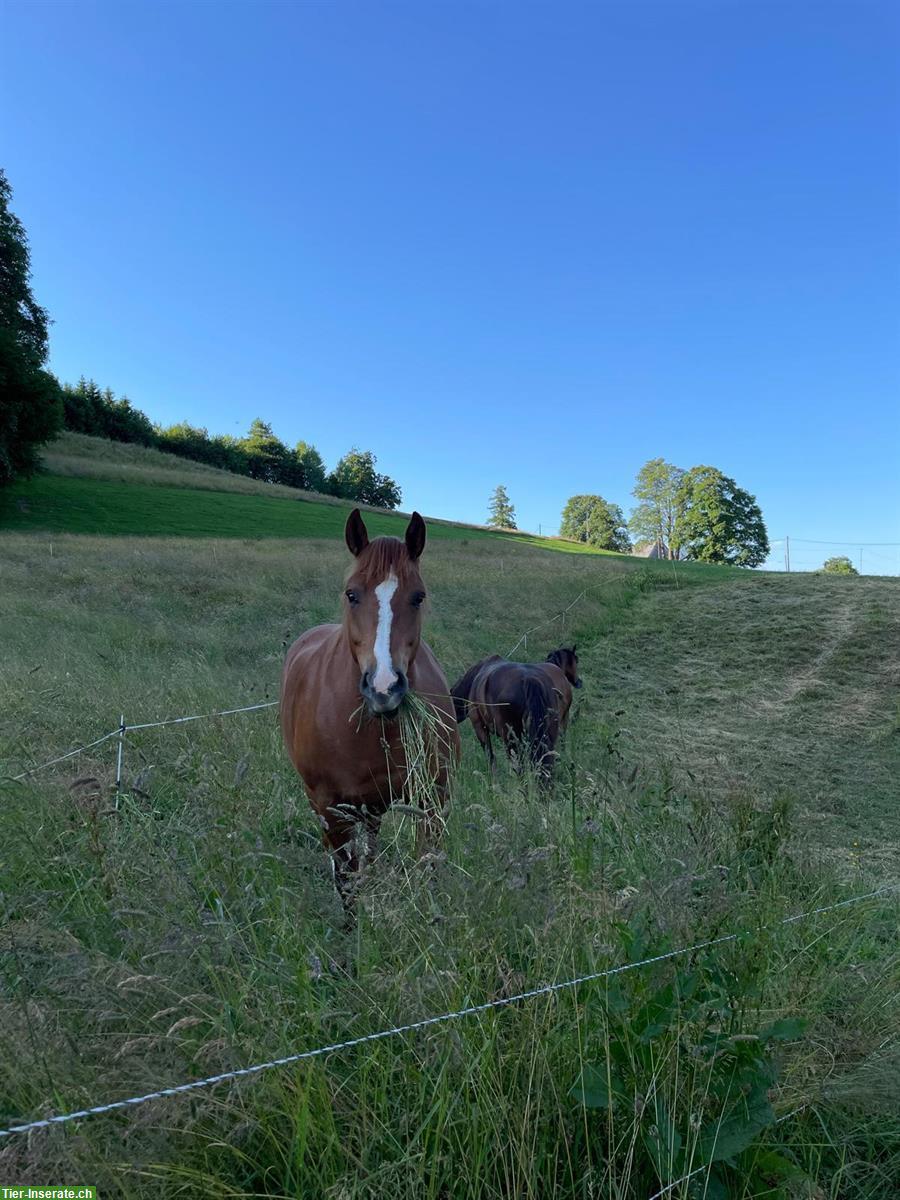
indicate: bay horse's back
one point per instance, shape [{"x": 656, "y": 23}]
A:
[{"x": 524, "y": 704}]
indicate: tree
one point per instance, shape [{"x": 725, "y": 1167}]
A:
[
  {"x": 267, "y": 455},
  {"x": 187, "y": 441},
  {"x": 718, "y": 522},
  {"x": 88, "y": 410},
  {"x": 655, "y": 517},
  {"x": 125, "y": 423},
  {"x": 501, "y": 514},
  {"x": 30, "y": 400},
  {"x": 83, "y": 408},
  {"x": 595, "y": 521},
  {"x": 260, "y": 454},
  {"x": 355, "y": 478},
  {"x": 313, "y": 467},
  {"x": 839, "y": 565}
]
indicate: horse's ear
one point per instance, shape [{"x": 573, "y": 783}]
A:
[
  {"x": 573, "y": 647},
  {"x": 356, "y": 533},
  {"x": 415, "y": 536}
]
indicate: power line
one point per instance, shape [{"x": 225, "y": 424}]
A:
[{"x": 844, "y": 542}]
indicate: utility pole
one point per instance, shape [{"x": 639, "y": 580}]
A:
[{"x": 787, "y": 554}]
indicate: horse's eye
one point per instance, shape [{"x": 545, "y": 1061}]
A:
[
  {"x": 418, "y": 599},
  {"x": 352, "y": 596}
]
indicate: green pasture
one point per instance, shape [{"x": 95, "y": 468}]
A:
[{"x": 732, "y": 761}]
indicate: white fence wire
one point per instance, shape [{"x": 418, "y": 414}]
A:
[
  {"x": 124, "y": 728},
  {"x": 63, "y": 757},
  {"x": 396, "y": 1030}
]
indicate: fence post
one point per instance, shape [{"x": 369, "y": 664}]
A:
[{"x": 122, "y": 728}]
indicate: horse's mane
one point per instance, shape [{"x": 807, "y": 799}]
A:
[{"x": 380, "y": 558}]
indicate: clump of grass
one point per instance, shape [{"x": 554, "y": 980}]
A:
[{"x": 425, "y": 735}]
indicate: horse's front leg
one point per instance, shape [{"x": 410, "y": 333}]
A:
[
  {"x": 484, "y": 737},
  {"x": 339, "y": 838},
  {"x": 372, "y": 822}
]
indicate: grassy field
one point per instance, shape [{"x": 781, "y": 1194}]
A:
[
  {"x": 733, "y": 761},
  {"x": 78, "y": 456},
  {"x": 91, "y": 485}
]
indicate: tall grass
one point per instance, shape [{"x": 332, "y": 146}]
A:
[{"x": 196, "y": 928}]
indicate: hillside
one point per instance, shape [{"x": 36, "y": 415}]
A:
[
  {"x": 732, "y": 762},
  {"x": 92, "y": 485}
]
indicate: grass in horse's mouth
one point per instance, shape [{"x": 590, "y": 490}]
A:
[
  {"x": 363, "y": 713},
  {"x": 422, "y": 734}
]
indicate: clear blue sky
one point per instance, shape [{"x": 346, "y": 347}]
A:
[{"x": 534, "y": 244}]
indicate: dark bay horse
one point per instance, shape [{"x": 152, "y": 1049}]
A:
[
  {"x": 341, "y": 690},
  {"x": 526, "y": 705}
]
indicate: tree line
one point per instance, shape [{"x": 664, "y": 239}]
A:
[
  {"x": 698, "y": 514},
  {"x": 30, "y": 398},
  {"x": 260, "y": 453},
  {"x": 34, "y": 407}
]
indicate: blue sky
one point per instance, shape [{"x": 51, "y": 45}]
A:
[{"x": 534, "y": 244}]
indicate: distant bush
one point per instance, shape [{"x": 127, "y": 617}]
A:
[{"x": 839, "y": 565}]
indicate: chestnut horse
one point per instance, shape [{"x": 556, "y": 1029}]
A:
[
  {"x": 526, "y": 705},
  {"x": 342, "y": 688}
]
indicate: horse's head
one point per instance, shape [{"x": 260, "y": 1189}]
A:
[
  {"x": 383, "y": 610},
  {"x": 567, "y": 661}
]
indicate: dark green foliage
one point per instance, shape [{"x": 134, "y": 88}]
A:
[
  {"x": 839, "y": 565},
  {"x": 89, "y": 410},
  {"x": 355, "y": 478},
  {"x": 718, "y": 522},
  {"x": 267, "y": 457},
  {"x": 501, "y": 514},
  {"x": 692, "y": 1015},
  {"x": 82, "y": 408},
  {"x": 656, "y": 516},
  {"x": 312, "y": 465},
  {"x": 30, "y": 404},
  {"x": 595, "y": 521},
  {"x": 189, "y": 441}
]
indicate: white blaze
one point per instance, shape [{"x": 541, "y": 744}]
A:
[{"x": 385, "y": 675}]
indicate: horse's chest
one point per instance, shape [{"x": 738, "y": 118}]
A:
[{"x": 342, "y": 755}]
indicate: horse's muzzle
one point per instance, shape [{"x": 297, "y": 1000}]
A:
[{"x": 383, "y": 704}]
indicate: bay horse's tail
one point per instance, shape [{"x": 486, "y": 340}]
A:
[{"x": 539, "y": 724}]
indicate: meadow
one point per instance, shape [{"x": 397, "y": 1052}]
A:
[
  {"x": 732, "y": 762},
  {"x": 91, "y": 485}
]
